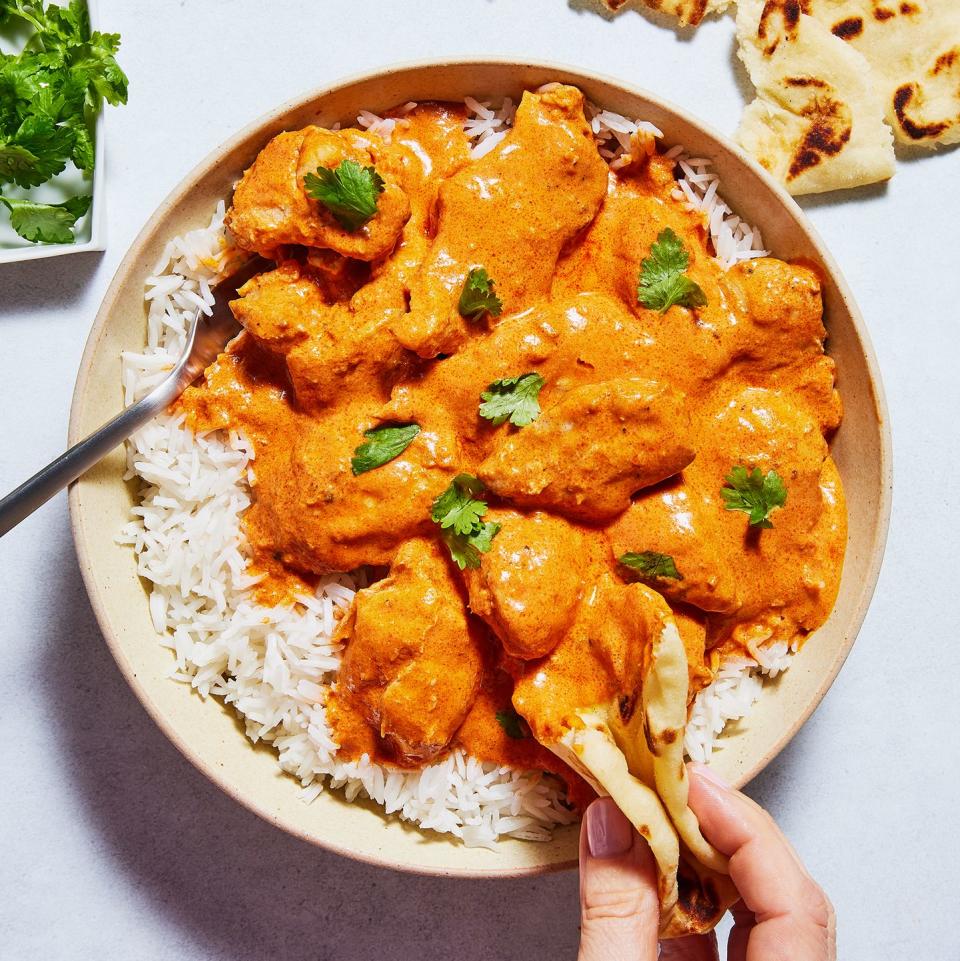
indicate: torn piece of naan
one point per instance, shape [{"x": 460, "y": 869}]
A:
[
  {"x": 913, "y": 48},
  {"x": 818, "y": 121},
  {"x": 626, "y": 738},
  {"x": 688, "y": 12}
]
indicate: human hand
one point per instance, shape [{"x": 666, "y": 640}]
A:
[{"x": 783, "y": 915}]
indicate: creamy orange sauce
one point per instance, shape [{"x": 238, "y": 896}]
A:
[{"x": 643, "y": 416}]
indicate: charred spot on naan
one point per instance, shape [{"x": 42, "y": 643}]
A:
[
  {"x": 848, "y": 28},
  {"x": 689, "y": 12},
  {"x": 626, "y": 706},
  {"x": 693, "y": 11},
  {"x": 915, "y": 131},
  {"x": 831, "y": 125},
  {"x": 699, "y": 902},
  {"x": 788, "y": 12},
  {"x": 910, "y": 98}
]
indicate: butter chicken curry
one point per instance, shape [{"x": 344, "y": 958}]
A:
[{"x": 522, "y": 391}]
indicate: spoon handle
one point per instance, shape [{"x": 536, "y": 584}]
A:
[{"x": 31, "y": 494}]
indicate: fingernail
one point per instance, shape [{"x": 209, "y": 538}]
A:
[
  {"x": 609, "y": 833},
  {"x": 708, "y": 774}
]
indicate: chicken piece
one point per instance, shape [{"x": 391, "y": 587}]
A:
[
  {"x": 314, "y": 515},
  {"x": 511, "y": 212},
  {"x": 787, "y": 576},
  {"x": 671, "y": 521},
  {"x": 763, "y": 317},
  {"x": 528, "y": 585},
  {"x": 414, "y": 661},
  {"x": 780, "y": 342},
  {"x": 271, "y": 206},
  {"x": 571, "y": 342},
  {"x": 592, "y": 449},
  {"x": 599, "y": 661},
  {"x": 332, "y": 351}
]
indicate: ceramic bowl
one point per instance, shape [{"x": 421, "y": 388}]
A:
[{"x": 208, "y": 734}]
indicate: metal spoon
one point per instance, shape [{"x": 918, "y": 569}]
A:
[{"x": 206, "y": 338}]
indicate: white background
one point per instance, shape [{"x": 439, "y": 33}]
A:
[{"x": 114, "y": 847}]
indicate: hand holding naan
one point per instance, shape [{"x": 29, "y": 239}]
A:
[{"x": 782, "y": 911}]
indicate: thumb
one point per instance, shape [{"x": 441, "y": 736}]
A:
[{"x": 619, "y": 910}]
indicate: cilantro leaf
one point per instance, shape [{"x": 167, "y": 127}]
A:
[
  {"x": 16, "y": 161},
  {"x": 383, "y": 445},
  {"x": 513, "y": 399},
  {"x": 459, "y": 514},
  {"x": 457, "y": 508},
  {"x": 513, "y": 725},
  {"x": 82, "y": 154},
  {"x": 465, "y": 549},
  {"x": 663, "y": 282},
  {"x": 477, "y": 297},
  {"x": 754, "y": 493},
  {"x": 350, "y": 192},
  {"x": 93, "y": 67},
  {"x": 650, "y": 564},
  {"x": 38, "y": 150},
  {"x": 46, "y": 223}
]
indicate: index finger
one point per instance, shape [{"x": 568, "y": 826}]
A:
[{"x": 768, "y": 874}]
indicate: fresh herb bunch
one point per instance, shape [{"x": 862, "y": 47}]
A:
[{"x": 50, "y": 95}]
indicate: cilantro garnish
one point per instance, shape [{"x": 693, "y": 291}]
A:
[
  {"x": 50, "y": 95},
  {"x": 460, "y": 516},
  {"x": 663, "y": 282},
  {"x": 46, "y": 223},
  {"x": 650, "y": 564},
  {"x": 478, "y": 297},
  {"x": 383, "y": 445},
  {"x": 350, "y": 192},
  {"x": 513, "y": 725},
  {"x": 755, "y": 494},
  {"x": 513, "y": 399}
]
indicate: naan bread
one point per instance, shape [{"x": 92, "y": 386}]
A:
[
  {"x": 835, "y": 77},
  {"x": 636, "y": 757},
  {"x": 913, "y": 48},
  {"x": 818, "y": 121},
  {"x": 689, "y": 12}
]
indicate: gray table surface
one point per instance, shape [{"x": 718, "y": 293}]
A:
[{"x": 114, "y": 847}]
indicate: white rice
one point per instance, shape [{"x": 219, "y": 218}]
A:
[{"x": 273, "y": 665}]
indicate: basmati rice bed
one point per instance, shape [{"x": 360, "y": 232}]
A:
[{"x": 273, "y": 665}]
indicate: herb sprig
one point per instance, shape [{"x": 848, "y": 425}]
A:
[
  {"x": 651, "y": 565},
  {"x": 663, "y": 282},
  {"x": 383, "y": 444},
  {"x": 50, "y": 95},
  {"x": 513, "y": 725},
  {"x": 459, "y": 512},
  {"x": 514, "y": 399},
  {"x": 754, "y": 493},
  {"x": 478, "y": 297},
  {"x": 350, "y": 192}
]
